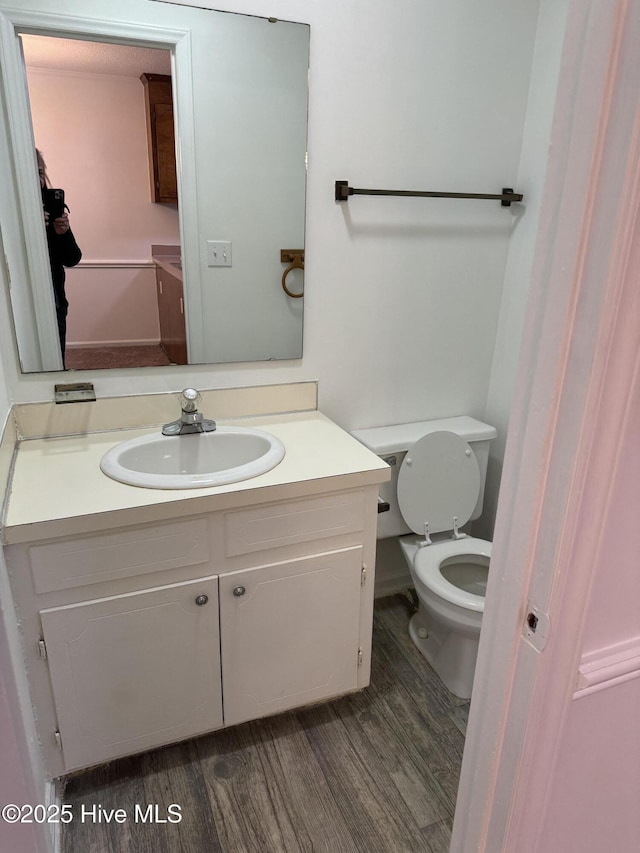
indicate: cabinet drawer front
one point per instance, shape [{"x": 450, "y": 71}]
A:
[
  {"x": 296, "y": 521},
  {"x": 95, "y": 559},
  {"x": 134, "y": 671}
]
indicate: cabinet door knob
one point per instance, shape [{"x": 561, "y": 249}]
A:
[
  {"x": 238, "y": 591},
  {"x": 202, "y": 600}
]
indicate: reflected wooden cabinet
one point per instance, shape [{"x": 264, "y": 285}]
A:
[
  {"x": 160, "y": 138},
  {"x": 173, "y": 332}
]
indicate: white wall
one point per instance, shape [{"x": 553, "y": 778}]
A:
[
  {"x": 5, "y": 400},
  {"x": 531, "y": 178},
  {"x": 403, "y": 295}
]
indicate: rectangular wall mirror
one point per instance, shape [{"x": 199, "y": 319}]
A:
[{"x": 195, "y": 276}]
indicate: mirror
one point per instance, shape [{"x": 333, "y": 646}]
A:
[{"x": 239, "y": 89}]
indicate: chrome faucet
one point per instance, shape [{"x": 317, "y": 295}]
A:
[{"x": 191, "y": 420}]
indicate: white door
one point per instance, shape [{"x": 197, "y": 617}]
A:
[
  {"x": 134, "y": 671},
  {"x": 553, "y": 750},
  {"x": 289, "y": 633}
]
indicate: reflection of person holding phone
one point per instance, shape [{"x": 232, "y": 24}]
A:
[{"x": 63, "y": 249}]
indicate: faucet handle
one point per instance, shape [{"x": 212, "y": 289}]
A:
[{"x": 189, "y": 399}]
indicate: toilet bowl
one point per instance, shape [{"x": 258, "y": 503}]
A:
[
  {"x": 439, "y": 488},
  {"x": 450, "y": 579}
]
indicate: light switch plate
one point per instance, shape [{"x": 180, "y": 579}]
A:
[{"x": 219, "y": 253}]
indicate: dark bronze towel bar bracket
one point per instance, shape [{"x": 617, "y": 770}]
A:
[{"x": 506, "y": 197}]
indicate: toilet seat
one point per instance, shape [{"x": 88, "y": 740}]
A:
[
  {"x": 439, "y": 480},
  {"x": 427, "y": 566}
]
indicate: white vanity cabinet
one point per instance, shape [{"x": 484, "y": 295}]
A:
[{"x": 145, "y": 635}]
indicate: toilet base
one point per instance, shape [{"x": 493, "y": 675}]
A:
[{"x": 452, "y": 655}]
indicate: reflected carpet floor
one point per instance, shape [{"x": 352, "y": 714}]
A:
[{"x": 102, "y": 358}]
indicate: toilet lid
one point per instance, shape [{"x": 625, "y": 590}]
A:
[{"x": 438, "y": 480}]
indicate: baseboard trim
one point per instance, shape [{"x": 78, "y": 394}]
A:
[{"x": 388, "y": 583}]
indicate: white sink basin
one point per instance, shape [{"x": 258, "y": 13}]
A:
[{"x": 227, "y": 455}]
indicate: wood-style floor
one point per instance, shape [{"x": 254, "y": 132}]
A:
[{"x": 376, "y": 771}]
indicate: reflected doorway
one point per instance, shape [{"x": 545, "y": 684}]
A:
[{"x": 88, "y": 114}]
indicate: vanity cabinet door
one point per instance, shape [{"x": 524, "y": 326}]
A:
[
  {"x": 289, "y": 633},
  {"x": 134, "y": 671}
]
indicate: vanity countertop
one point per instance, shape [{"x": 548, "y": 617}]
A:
[{"x": 58, "y": 489}]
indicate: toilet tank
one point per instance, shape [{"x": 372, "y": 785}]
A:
[{"x": 391, "y": 443}]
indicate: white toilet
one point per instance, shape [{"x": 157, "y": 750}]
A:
[{"x": 438, "y": 477}]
